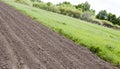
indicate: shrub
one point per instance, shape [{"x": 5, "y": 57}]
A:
[
  {"x": 96, "y": 21},
  {"x": 26, "y": 2},
  {"x": 77, "y": 14},
  {"x": 55, "y": 9},
  {"x": 86, "y": 16},
  {"x": 62, "y": 10},
  {"x": 70, "y": 11},
  {"x": 45, "y": 6},
  {"x": 107, "y": 57},
  {"x": 40, "y": 5},
  {"x": 36, "y": 0},
  {"x": 107, "y": 24},
  {"x": 116, "y": 26},
  {"x": 110, "y": 47}
]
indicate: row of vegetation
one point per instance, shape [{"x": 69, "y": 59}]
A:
[
  {"x": 104, "y": 15},
  {"x": 80, "y": 11}
]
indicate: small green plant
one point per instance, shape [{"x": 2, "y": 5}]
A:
[
  {"x": 34, "y": 18},
  {"x": 108, "y": 58},
  {"x": 95, "y": 49},
  {"x": 118, "y": 64},
  {"x": 60, "y": 31},
  {"x": 107, "y": 24},
  {"x": 110, "y": 47},
  {"x": 64, "y": 23}
]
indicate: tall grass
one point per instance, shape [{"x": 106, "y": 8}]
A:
[{"x": 104, "y": 42}]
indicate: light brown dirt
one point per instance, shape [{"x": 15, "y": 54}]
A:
[{"x": 26, "y": 44}]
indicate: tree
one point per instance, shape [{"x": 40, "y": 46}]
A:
[
  {"x": 118, "y": 20},
  {"x": 112, "y": 18},
  {"x": 65, "y": 3},
  {"x": 36, "y": 0},
  {"x": 84, "y": 6},
  {"x": 92, "y": 12},
  {"x": 109, "y": 16},
  {"x": 102, "y": 15},
  {"x": 49, "y": 4}
]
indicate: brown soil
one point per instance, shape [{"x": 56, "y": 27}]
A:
[{"x": 26, "y": 44}]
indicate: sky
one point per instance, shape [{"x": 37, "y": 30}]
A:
[{"x": 112, "y": 6}]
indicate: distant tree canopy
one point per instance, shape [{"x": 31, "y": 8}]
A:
[{"x": 103, "y": 15}]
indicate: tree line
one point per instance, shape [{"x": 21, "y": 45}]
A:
[
  {"x": 104, "y": 15},
  {"x": 81, "y": 11}
]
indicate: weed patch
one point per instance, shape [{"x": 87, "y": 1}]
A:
[{"x": 95, "y": 49}]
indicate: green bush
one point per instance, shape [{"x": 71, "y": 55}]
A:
[
  {"x": 77, "y": 14},
  {"x": 70, "y": 11},
  {"x": 96, "y": 21},
  {"x": 86, "y": 16},
  {"x": 45, "y": 6},
  {"x": 95, "y": 49},
  {"x": 40, "y": 5},
  {"x": 110, "y": 47},
  {"x": 108, "y": 58},
  {"x": 36, "y": 0},
  {"x": 116, "y": 26},
  {"x": 107, "y": 24},
  {"x": 26, "y": 2}
]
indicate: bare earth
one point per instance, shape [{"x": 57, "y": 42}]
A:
[{"x": 26, "y": 44}]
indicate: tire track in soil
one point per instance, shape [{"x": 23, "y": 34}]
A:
[{"x": 36, "y": 47}]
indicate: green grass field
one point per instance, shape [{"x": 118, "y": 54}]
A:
[{"x": 105, "y": 42}]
